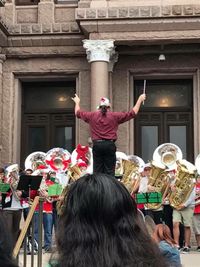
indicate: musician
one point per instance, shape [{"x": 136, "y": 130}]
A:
[
  {"x": 184, "y": 213},
  {"x": 143, "y": 186},
  {"x": 47, "y": 212},
  {"x": 12, "y": 208},
  {"x": 103, "y": 126},
  {"x": 196, "y": 217}
]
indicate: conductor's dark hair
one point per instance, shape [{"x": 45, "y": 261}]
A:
[
  {"x": 6, "y": 259},
  {"x": 103, "y": 110},
  {"x": 100, "y": 227}
]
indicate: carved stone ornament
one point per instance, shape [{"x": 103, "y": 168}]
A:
[{"x": 99, "y": 50}]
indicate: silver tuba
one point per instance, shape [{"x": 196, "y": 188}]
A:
[
  {"x": 35, "y": 160},
  {"x": 168, "y": 154},
  {"x": 58, "y": 159}
]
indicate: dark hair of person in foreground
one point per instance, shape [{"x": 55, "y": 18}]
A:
[
  {"x": 6, "y": 259},
  {"x": 100, "y": 227}
]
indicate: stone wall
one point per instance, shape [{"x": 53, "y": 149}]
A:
[{"x": 44, "y": 18}]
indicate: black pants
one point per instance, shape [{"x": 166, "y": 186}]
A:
[
  {"x": 104, "y": 157},
  {"x": 13, "y": 218}
]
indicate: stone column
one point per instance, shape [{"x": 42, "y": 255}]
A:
[
  {"x": 99, "y": 53},
  {"x": 2, "y": 59}
]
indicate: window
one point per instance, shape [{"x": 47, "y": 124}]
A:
[{"x": 26, "y": 2}]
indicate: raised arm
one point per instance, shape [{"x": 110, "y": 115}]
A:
[
  {"x": 76, "y": 100},
  {"x": 141, "y": 98}
]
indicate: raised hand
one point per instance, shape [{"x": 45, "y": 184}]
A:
[{"x": 76, "y": 99}]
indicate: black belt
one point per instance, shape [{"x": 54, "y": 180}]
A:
[{"x": 103, "y": 140}]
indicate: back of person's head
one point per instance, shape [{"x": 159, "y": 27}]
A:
[
  {"x": 162, "y": 233},
  {"x": 100, "y": 227},
  {"x": 104, "y": 105},
  {"x": 6, "y": 259}
]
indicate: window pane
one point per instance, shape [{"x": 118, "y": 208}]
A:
[
  {"x": 166, "y": 93},
  {"x": 149, "y": 141},
  {"x": 63, "y": 138},
  {"x": 48, "y": 96},
  {"x": 36, "y": 137},
  {"x": 177, "y": 135},
  {"x": 26, "y": 2}
]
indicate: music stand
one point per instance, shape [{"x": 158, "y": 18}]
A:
[{"x": 29, "y": 182}]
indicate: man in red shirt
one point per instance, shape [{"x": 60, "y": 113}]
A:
[{"x": 103, "y": 127}]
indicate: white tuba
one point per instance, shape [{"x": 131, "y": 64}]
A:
[
  {"x": 58, "y": 159},
  {"x": 35, "y": 160},
  {"x": 168, "y": 154},
  {"x": 82, "y": 159}
]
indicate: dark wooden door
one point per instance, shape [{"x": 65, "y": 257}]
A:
[
  {"x": 155, "y": 128},
  {"x": 41, "y": 132},
  {"x": 48, "y": 119}
]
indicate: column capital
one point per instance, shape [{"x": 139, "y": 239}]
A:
[{"x": 99, "y": 50}]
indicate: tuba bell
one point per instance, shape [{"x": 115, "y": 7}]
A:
[
  {"x": 35, "y": 160},
  {"x": 184, "y": 183},
  {"x": 168, "y": 154},
  {"x": 58, "y": 159}
]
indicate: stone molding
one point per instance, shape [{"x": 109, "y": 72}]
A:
[
  {"x": 137, "y": 12},
  {"x": 35, "y": 29},
  {"x": 99, "y": 50},
  {"x": 113, "y": 60}
]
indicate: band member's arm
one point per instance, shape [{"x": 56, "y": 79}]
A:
[
  {"x": 140, "y": 100},
  {"x": 191, "y": 199},
  {"x": 76, "y": 99}
]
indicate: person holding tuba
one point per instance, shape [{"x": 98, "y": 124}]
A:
[
  {"x": 11, "y": 202},
  {"x": 182, "y": 199}
]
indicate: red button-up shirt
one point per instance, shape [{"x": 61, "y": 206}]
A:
[{"x": 104, "y": 126}]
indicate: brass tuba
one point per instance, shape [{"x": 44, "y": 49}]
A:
[
  {"x": 12, "y": 178},
  {"x": 157, "y": 179},
  {"x": 184, "y": 183},
  {"x": 166, "y": 155},
  {"x": 131, "y": 172}
]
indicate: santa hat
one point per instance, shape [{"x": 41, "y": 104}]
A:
[{"x": 104, "y": 102}]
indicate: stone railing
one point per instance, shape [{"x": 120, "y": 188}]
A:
[
  {"x": 138, "y": 12},
  {"x": 45, "y": 18}
]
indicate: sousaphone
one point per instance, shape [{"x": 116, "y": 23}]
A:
[
  {"x": 82, "y": 159},
  {"x": 58, "y": 159},
  {"x": 35, "y": 160},
  {"x": 168, "y": 154},
  {"x": 119, "y": 169}
]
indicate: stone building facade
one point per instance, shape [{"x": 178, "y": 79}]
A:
[{"x": 101, "y": 48}]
